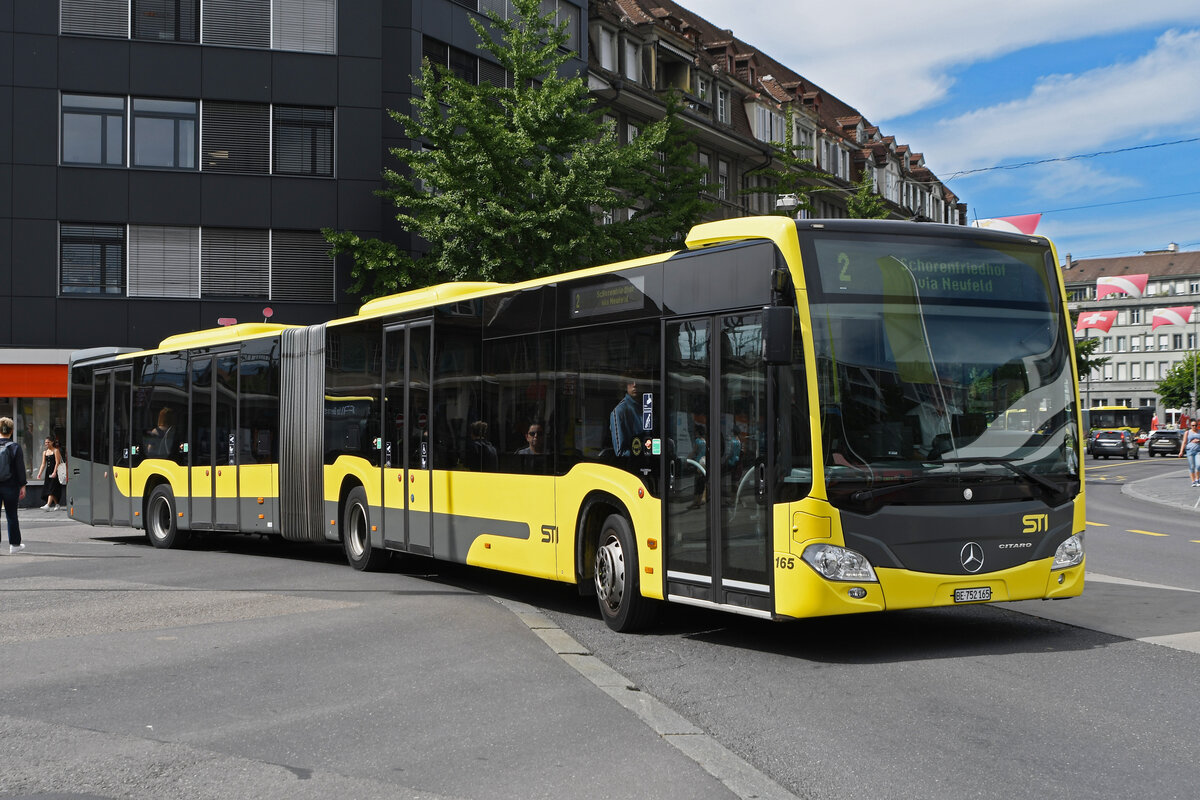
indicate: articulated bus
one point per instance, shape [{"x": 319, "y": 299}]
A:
[
  {"x": 786, "y": 419},
  {"x": 1136, "y": 421}
]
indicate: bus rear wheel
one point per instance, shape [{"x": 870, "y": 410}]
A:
[
  {"x": 616, "y": 576},
  {"x": 356, "y": 534},
  {"x": 162, "y": 523}
]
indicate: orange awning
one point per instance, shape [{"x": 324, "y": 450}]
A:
[{"x": 33, "y": 380}]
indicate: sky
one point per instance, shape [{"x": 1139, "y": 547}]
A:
[{"x": 1103, "y": 95}]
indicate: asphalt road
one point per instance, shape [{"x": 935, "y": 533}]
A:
[{"x": 251, "y": 668}]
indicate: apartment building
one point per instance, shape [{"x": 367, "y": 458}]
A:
[
  {"x": 1139, "y": 354},
  {"x": 739, "y": 100}
]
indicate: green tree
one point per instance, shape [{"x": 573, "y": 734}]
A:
[
  {"x": 1175, "y": 388},
  {"x": 793, "y": 178},
  {"x": 670, "y": 190},
  {"x": 865, "y": 203},
  {"x": 508, "y": 182},
  {"x": 1086, "y": 360}
]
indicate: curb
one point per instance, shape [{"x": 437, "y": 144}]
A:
[
  {"x": 1184, "y": 500},
  {"x": 744, "y": 780}
]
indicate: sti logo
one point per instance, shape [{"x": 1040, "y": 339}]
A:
[{"x": 1035, "y": 523}]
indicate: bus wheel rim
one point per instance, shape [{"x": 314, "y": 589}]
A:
[
  {"x": 358, "y": 531},
  {"x": 610, "y": 573}
]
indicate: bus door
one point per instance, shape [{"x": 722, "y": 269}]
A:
[
  {"x": 407, "y": 456},
  {"x": 111, "y": 477},
  {"x": 212, "y": 441},
  {"x": 717, "y": 517}
]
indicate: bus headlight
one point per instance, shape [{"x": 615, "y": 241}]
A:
[
  {"x": 1069, "y": 553},
  {"x": 838, "y": 563}
]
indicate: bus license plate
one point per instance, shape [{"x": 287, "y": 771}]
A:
[{"x": 972, "y": 595}]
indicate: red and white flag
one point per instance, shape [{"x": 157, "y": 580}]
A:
[
  {"x": 1179, "y": 315},
  {"x": 1096, "y": 319},
  {"x": 1132, "y": 285},
  {"x": 1023, "y": 223}
]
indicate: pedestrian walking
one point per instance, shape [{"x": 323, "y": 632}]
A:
[
  {"x": 1190, "y": 446},
  {"x": 12, "y": 482}
]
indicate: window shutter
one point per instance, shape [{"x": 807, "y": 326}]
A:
[
  {"x": 306, "y": 25},
  {"x": 240, "y": 23},
  {"x": 164, "y": 261},
  {"x": 494, "y": 74},
  {"x": 301, "y": 269},
  {"x": 235, "y": 137},
  {"x": 234, "y": 263},
  {"x": 95, "y": 17}
]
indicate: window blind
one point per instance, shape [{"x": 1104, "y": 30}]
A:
[
  {"x": 95, "y": 17},
  {"x": 164, "y": 261},
  {"x": 306, "y": 25},
  {"x": 301, "y": 268},
  {"x": 234, "y": 262},
  {"x": 235, "y": 137},
  {"x": 240, "y": 23}
]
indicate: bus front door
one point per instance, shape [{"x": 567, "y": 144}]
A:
[
  {"x": 717, "y": 516},
  {"x": 407, "y": 458}
]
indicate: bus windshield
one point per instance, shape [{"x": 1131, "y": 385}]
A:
[{"x": 941, "y": 363}]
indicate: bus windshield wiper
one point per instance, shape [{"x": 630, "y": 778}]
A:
[
  {"x": 1033, "y": 477},
  {"x": 865, "y": 495}
]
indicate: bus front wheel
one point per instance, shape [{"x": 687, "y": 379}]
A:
[
  {"x": 356, "y": 533},
  {"x": 616, "y": 576},
  {"x": 162, "y": 523}
]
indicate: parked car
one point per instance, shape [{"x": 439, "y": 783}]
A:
[
  {"x": 1113, "y": 443},
  {"x": 1164, "y": 443}
]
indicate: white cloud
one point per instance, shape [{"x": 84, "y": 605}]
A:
[
  {"x": 1074, "y": 180},
  {"x": 889, "y": 60},
  {"x": 1154, "y": 96},
  {"x": 1120, "y": 234}
]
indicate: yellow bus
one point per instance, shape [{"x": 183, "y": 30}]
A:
[{"x": 785, "y": 419}]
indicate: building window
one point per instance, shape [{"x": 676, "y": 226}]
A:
[
  {"x": 1194, "y": 287},
  {"x": 607, "y": 49},
  {"x": 93, "y": 130},
  {"x": 633, "y": 61},
  {"x": 703, "y": 88},
  {"x": 303, "y": 141},
  {"x": 238, "y": 23},
  {"x": 305, "y": 25},
  {"x": 234, "y": 137},
  {"x": 1135, "y": 316},
  {"x": 1177, "y": 341},
  {"x": 166, "y": 20},
  {"x": 301, "y": 268},
  {"x": 95, "y": 17},
  {"x": 1149, "y": 342},
  {"x": 164, "y": 134},
  {"x": 92, "y": 259},
  {"x": 1121, "y": 377},
  {"x": 1108, "y": 344},
  {"x": 1151, "y": 375},
  {"x": 235, "y": 263},
  {"x": 722, "y": 105},
  {"x": 768, "y": 124},
  {"x": 1120, "y": 344},
  {"x": 1135, "y": 371},
  {"x": 164, "y": 261},
  {"x": 1191, "y": 341},
  {"x": 1163, "y": 342},
  {"x": 1135, "y": 343},
  {"x": 722, "y": 179}
]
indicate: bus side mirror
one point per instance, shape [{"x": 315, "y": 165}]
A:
[{"x": 777, "y": 334}]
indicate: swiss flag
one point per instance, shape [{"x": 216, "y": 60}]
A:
[
  {"x": 1179, "y": 315},
  {"x": 1096, "y": 319},
  {"x": 1132, "y": 285}
]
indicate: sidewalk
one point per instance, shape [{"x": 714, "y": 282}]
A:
[{"x": 1168, "y": 490}]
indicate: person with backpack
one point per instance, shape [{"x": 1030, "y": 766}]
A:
[{"x": 12, "y": 482}]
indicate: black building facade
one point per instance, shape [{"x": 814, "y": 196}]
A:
[{"x": 166, "y": 165}]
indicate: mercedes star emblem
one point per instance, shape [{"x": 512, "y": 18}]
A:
[{"x": 972, "y": 557}]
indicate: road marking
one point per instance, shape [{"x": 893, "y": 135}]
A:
[
  {"x": 1098, "y": 578},
  {"x": 1098, "y": 524},
  {"x": 738, "y": 775},
  {"x": 1146, "y": 533}
]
